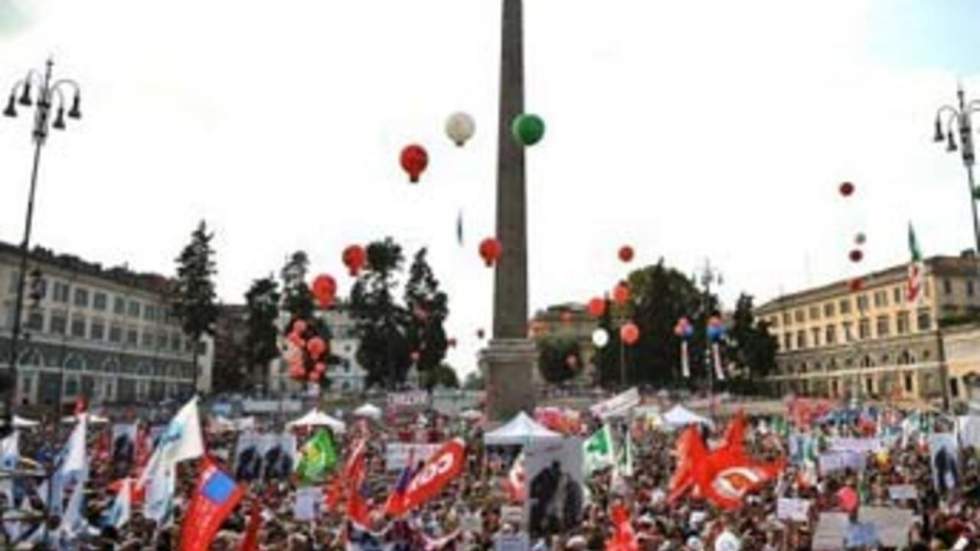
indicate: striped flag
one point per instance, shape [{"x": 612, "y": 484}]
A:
[{"x": 916, "y": 271}]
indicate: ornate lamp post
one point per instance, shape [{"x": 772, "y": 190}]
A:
[
  {"x": 961, "y": 118},
  {"x": 43, "y": 94}
]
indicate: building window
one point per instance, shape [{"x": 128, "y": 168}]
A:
[
  {"x": 862, "y": 303},
  {"x": 897, "y": 295},
  {"x": 869, "y": 384},
  {"x": 814, "y": 313},
  {"x": 119, "y": 306},
  {"x": 81, "y": 297},
  {"x": 848, "y": 333},
  {"x": 845, "y": 306},
  {"x": 902, "y": 323},
  {"x": 788, "y": 341},
  {"x": 175, "y": 342},
  {"x": 115, "y": 333},
  {"x": 132, "y": 336},
  {"x": 801, "y": 339},
  {"x": 59, "y": 323},
  {"x": 161, "y": 341},
  {"x": 61, "y": 292},
  {"x": 78, "y": 327},
  {"x": 134, "y": 309},
  {"x": 924, "y": 320},
  {"x": 908, "y": 382},
  {"x": 882, "y": 326},
  {"x": 864, "y": 329},
  {"x": 830, "y": 334},
  {"x": 147, "y": 339},
  {"x": 35, "y": 320},
  {"x": 947, "y": 286},
  {"x": 774, "y": 322},
  {"x": 815, "y": 332},
  {"x": 954, "y": 387},
  {"x": 14, "y": 281},
  {"x": 881, "y": 299},
  {"x": 786, "y": 320},
  {"x": 799, "y": 316},
  {"x": 969, "y": 287},
  {"x": 97, "y": 330},
  {"x": 150, "y": 312},
  {"x": 828, "y": 309},
  {"x": 99, "y": 300}
]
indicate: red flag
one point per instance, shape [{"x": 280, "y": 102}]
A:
[
  {"x": 358, "y": 509},
  {"x": 215, "y": 496},
  {"x": 624, "y": 538},
  {"x": 136, "y": 492},
  {"x": 251, "y": 540},
  {"x": 441, "y": 468},
  {"x": 335, "y": 493}
]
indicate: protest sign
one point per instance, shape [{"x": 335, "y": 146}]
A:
[
  {"x": 891, "y": 524},
  {"x": 839, "y": 461},
  {"x": 831, "y": 531},
  {"x": 901, "y": 492},
  {"x": 861, "y": 534},
  {"x": 308, "y": 504},
  {"x": 512, "y": 514},
  {"x": 511, "y": 542},
  {"x": 414, "y": 398},
  {"x": 618, "y": 405},
  {"x": 857, "y": 445},
  {"x": 793, "y": 509},
  {"x": 472, "y": 523},
  {"x": 554, "y": 474},
  {"x": 265, "y": 456}
]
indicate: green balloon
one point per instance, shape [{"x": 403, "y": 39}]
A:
[{"x": 528, "y": 129}]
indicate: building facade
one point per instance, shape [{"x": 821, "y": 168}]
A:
[
  {"x": 107, "y": 334},
  {"x": 838, "y": 341}
]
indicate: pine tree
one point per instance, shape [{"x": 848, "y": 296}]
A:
[
  {"x": 753, "y": 348},
  {"x": 262, "y": 310},
  {"x": 428, "y": 308},
  {"x": 194, "y": 300}
]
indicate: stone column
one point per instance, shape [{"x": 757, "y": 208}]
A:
[{"x": 509, "y": 360}]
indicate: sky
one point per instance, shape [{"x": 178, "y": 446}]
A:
[{"x": 689, "y": 130}]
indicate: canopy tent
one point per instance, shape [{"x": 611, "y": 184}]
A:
[
  {"x": 23, "y": 423},
  {"x": 368, "y": 410},
  {"x": 92, "y": 419},
  {"x": 519, "y": 430},
  {"x": 680, "y": 416},
  {"x": 316, "y": 418}
]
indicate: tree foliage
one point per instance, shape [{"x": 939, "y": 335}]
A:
[
  {"x": 261, "y": 311},
  {"x": 441, "y": 375},
  {"x": 428, "y": 308},
  {"x": 752, "y": 347},
  {"x": 559, "y": 359},
  {"x": 194, "y": 296}
]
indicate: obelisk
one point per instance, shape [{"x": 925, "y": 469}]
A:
[{"x": 510, "y": 358}]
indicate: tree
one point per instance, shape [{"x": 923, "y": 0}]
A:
[
  {"x": 753, "y": 348},
  {"x": 261, "y": 311},
  {"x": 428, "y": 308},
  {"x": 194, "y": 295},
  {"x": 559, "y": 359},
  {"x": 380, "y": 323},
  {"x": 441, "y": 375}
]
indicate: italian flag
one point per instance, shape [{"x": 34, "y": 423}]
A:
[{"x": 917, "y": 268}]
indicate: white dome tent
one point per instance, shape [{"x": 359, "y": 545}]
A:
[
  {"x": 316, "y": 418},
  {"x": 369, "y": 411},
  {"x": 520, "y": 430}
]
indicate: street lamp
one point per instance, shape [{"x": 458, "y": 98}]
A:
[
  {"x": 42, "y": 99},
  {"x": 709, "y": 275},
  {"x": 961, "y": 117}
]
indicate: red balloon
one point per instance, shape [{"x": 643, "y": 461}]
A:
[
  {"x": 629, "y": 333},
  {"x": 846, "y": 189},
  {"x": 626, "y": 253},
  {"x": 480, "y": 333},
  {"x": 313, "y": 376},
  {"x": 414, "y": 159},
  {"x": 296, "y": 339},
  {"x": 856, "y": 255},
  {"x": 354, "y": 258},
  {"x": 597, "y": 307},
  {"x": 317, "y": 347},
  {"x": 490, "y": 251},
  {"x": 320, "y": 368},
  {"x": 296, "y": 372},
  {"x": 621, "y": 294},
  {"x": 299, "y": 326},
  {"x": 324, "y": 290}
]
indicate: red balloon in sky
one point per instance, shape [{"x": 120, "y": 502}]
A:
[
  {"x": 354, "y": 258},
  {"x": 597, "y": 307},
  {"x": 490, "y": 251},
  {"x": 480, "y": 333},
  {"x": 414, "y": 159},
  {"x": 629, "y": 333},
  {"x": 621, "y": 294},
  {"x": 856, "y": 255},
  {"x": 324, "y": 290},
  {"x": 846, "y": 189},
  {"x": 626, "y": 253}
]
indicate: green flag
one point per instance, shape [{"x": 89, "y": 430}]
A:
[
  {"x": 317, "y": 458},
  {"x": 624, "y": 464},
  {"x": 598, "y": 451}
]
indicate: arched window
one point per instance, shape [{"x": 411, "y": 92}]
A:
[
  {"x": 867, "y": 361},
  {"x": 802, "y": 368},
  {"x": 74, "y": 362},
  {"x": 31, "y": 356},
  {"x": 904, "y": 358},
  {"x": 110, "y": 365},
  {"x": 71, "y": 386}
]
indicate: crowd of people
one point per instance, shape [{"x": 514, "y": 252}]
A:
[{"x": 473, "y": 511}]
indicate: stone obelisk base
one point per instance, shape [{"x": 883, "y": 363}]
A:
[{"x": 509, "y": 366}]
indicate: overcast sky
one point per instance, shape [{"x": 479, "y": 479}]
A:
[{"x": 690, "y": 130}]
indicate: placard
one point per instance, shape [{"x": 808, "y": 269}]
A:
[
  {"x": 512, "y": 542},
  {"x": 512, "y": 514},
  {"x": 839, "y": 461},
  {"x": 788, "y": 508},
  {"x": 900, "y": 492},
  {"x": 617, "y": 405},
  {"x": 414, "y": 398},
  {"x": 831, "y": 532},
  {"x": 554, "y": 479},
  {"x": 265, "y": 456},
  {"x": 858, "y": 445},
  {"x": 891, "y": 524},
  {"x": 308, "y": 504}
]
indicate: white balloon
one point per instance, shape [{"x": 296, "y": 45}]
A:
[
  {"x": 460, "y": 127},
  {"x": 600, "y": 338}
]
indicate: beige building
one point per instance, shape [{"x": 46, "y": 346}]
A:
[{"x": 835, "y": 341}]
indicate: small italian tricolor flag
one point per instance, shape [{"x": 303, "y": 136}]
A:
[{"x": 916, "y": 275}]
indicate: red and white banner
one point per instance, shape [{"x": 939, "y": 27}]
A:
[{"x": 438, "y": 471}]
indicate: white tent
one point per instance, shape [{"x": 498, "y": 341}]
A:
[
  {"x": 316, "y": 418},
  {"x": 368, "y": 410},
  {"x": 519, "y": 430},
  {"x": 23, "y": 423},
  {"x": 680, "y": 416}
]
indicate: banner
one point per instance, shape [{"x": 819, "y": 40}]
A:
[
  {"x": 900, "y": 492},
  {"x": 438, "y": 471},
  {"x": 271, "y": 406},
  {"x": 831, "y": 531},
  {"x": 944, "y": 460},
  {"x": 839, "y": 461},
  {"x": 397, "y": 454},
  {"x": 891, "y": 524},
  {"x": 857, "y": 445},
  {"x": 554, "y": 476},
  {"x": 265, "y": 456},
  {"x": 618, "y": 405},
  {"x": 415, "y": 398},
  {"x": 215, "y": 497},
  {"x": 308, "y": 504},
  {"x": 794, "y": 509},
  {"x": 511, "y": 542}
]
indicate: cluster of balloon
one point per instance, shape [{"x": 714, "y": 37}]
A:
[
  {"x": 597, "y": 307},
  {"x": 626, "y": 253},
  {"x": 324, "y": 290},
  {"x": 414, "y": 160},
  {"x": 629, "y": 333},
  {"x": 354, "y": 258},
  {"x": 528, "y": 129},
  {"x": 855, "y": 255},
  {"x": 460, "y": 127},
  {"x": 600, "y": 338},
  {"x": 621, "y": 293},
  {"x": 716, "y": 329},
  {"x": 684, "y": 329},
  {"x": 306, "y": 352},
  {"x": 490, "y": 251}
]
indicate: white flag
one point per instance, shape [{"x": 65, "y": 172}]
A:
[
  {"x": 160, "y": 488},
  {"x": 181, "y": 439},
  {"x": 75, "y": 459},
  {"x": 9, "y": 455}
]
